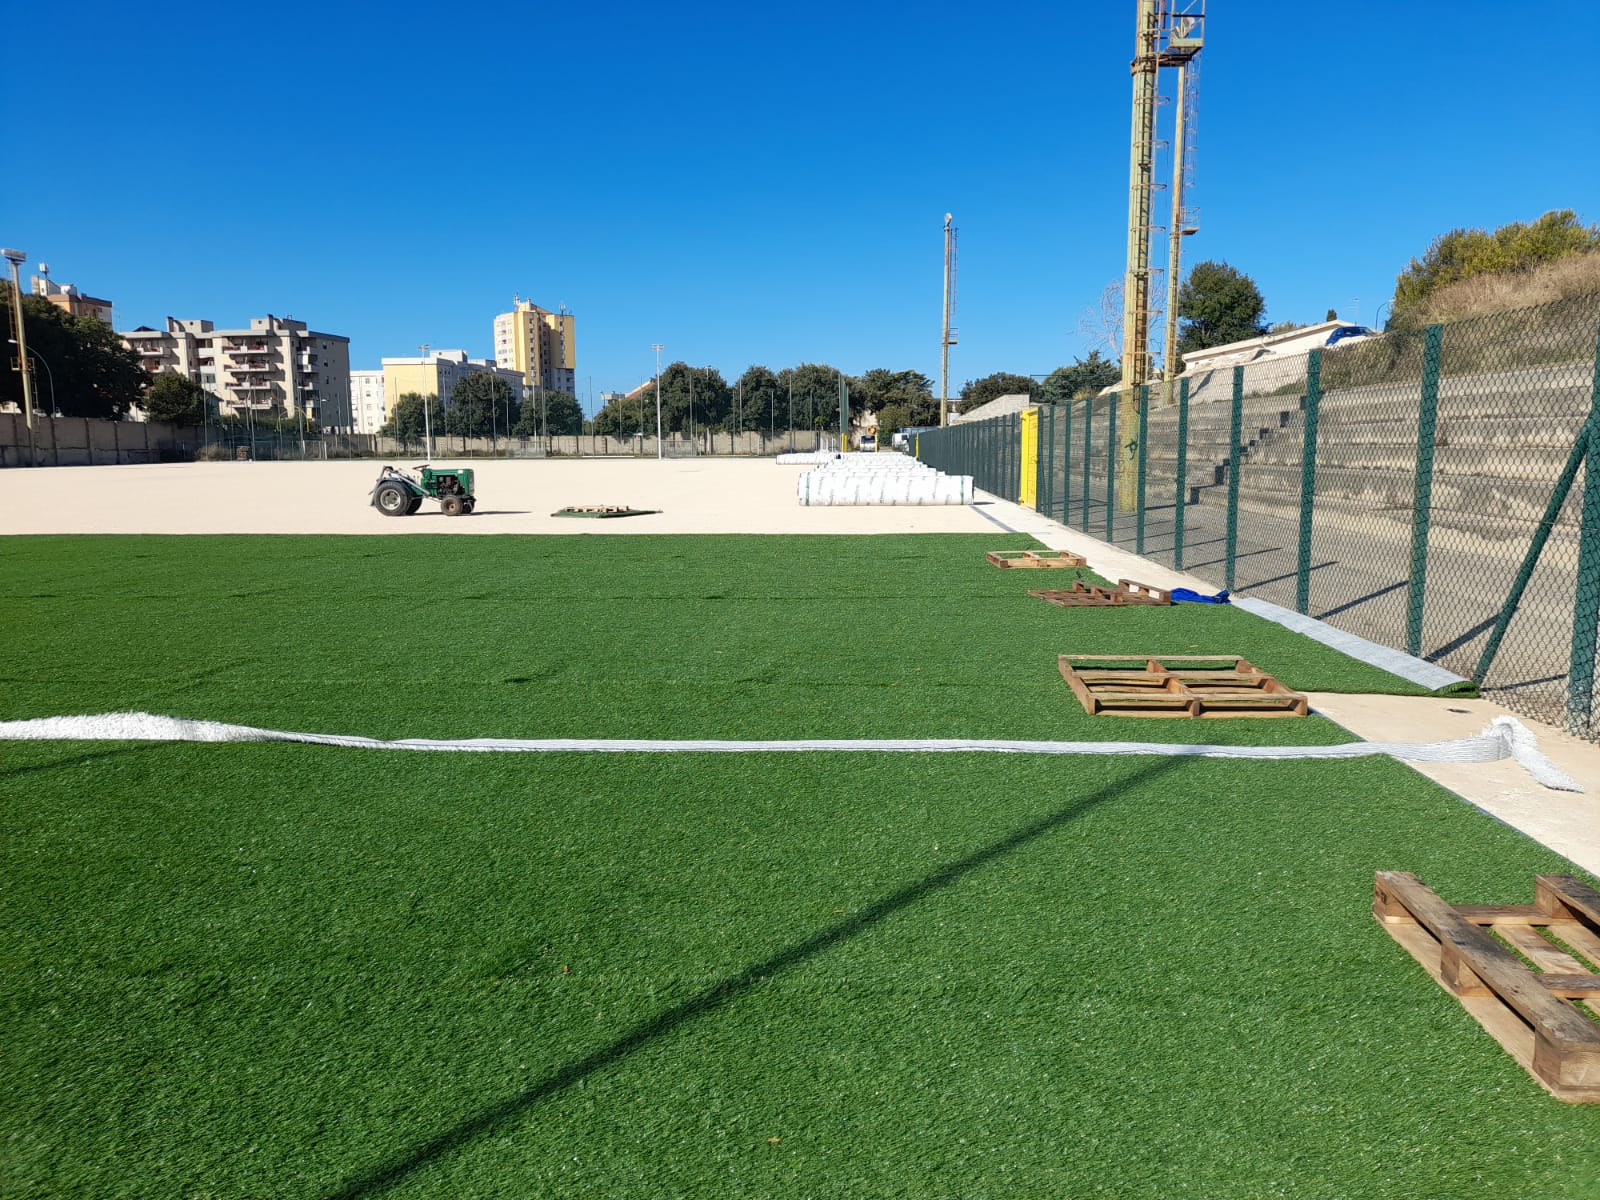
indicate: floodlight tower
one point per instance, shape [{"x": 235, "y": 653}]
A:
[
  {"x": 948, "y": 337},
  {"x": 1185, "y": 220},
  {"x": 1168, "y": 33}
]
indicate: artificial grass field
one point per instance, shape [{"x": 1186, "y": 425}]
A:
[{"x": 280, "y": 970}]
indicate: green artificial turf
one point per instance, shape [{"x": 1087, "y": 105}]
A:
[{"x": 283, "y": 970}]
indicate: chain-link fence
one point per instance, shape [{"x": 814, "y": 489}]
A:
[{"x": 1424, "y": 489}]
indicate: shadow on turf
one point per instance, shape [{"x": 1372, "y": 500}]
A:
[
  {"x": 713, "y": 998},
  {"x": 77, "y": 760}
]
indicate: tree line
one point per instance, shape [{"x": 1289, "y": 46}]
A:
[{"x": 481, "y": 406}]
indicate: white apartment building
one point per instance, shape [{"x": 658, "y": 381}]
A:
[
  {"x": 276, "y": 366},
  {"x": 367, "y": 411}
]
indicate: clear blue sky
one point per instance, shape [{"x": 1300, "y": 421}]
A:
[{"x": 747, "y": 183}]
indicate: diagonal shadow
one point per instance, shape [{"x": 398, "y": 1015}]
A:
[
  {"x": 1260, "y": 583},
  {"x": 77, "y": 760},
  {"x": 1478, "y": 630},
  {"x": 1349, "y": 604},
  {"x": 1213, "y": 562},
  {"x": 729, "y": 990}
]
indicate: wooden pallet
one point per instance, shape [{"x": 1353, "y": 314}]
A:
[
  {"x": 1198, "y": 686},
  {"x": 1156, "y": 595},
  {"x": 1036, "y": 558},
  {"x": 1538, "y": 1012},
  {"x": 602, "y": 511},
  {"x": 1091, "y": 595}
]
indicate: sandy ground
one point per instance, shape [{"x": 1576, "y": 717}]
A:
[
  {"x": 731, "y": 496},
  {"x": 702, "y": 495}
]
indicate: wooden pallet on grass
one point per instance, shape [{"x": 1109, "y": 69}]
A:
[
  {"x": 1036, "y": 558},
  {"x": 1092, "y": 595},
  {"x": 1201, "y": 685},
  {"x": 1154, "y": 595},
  {"x": 1537, "y": 1013}
]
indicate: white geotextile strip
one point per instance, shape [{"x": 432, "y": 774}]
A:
[{"x": 1503, "y": 737}]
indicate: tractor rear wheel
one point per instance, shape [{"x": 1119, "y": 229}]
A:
[
  {"x": 451, "y": 506},
  {"x": 469, "y": 504},
  {"x": 392, "y": 500}
]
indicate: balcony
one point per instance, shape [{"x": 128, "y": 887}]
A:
[{"x": 249, "y": 368}]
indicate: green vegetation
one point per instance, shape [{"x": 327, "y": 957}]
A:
[
  {"x": 251, "y": 970},
  {"x": 1217, "y": 305},
  {"x": 1513, "y": 250},
  {"x": 79, "y": 365}
]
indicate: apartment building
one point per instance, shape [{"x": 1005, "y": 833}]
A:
[
  {"x": 277, "y": 366},
  {"x": 367, "y": 410},
  {"x": 69, "y": 299},
  {"x": 437, "y": 374},
  {"x": 540, "y": 345}
]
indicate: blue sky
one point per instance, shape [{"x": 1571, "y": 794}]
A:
[{"x": 752, "y": 184}]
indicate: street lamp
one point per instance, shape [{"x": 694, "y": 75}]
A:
[
  {"x": 427, "y": 411},
  {"x": 16, "y": 258},
  {"x": 49, "y": 374},
  {"x": 656, "y": 346}
]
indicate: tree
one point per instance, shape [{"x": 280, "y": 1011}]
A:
[
  {"x": 693, "y": 399},
  {"x": 1085, "y": 377},
  {"x": 477, "y": 406},
  {"x": 1463, "y": 253},
  {"x": 174, "y": 398},
  {"x": 1101, "y": 322},
  {"x": 406, "y": 418},
  {"x": 761, "y": 400},
  {"x": 626, "y": 416},
  {"x": 815, "y": 391},
  {"x": 1218, "y": 305},
  {"x": 78, "y": 359},
  {"x": 976, "y": 392},
  {"x": 909, "y": 391},
  {"x": 552, "y": 414}
]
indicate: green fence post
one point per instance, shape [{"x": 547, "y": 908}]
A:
[
  {"x": 1308, "y": 482},
  {"x": 1144, "y": 428},
  {"x": 1182, "y": 498},
  {"x": 1237, "y": 427},
  {"x": 1088, "y": 449},
  {"x": 1541, "y": 535},
  {"x": 1422, "y": 501},
  {"x": 1586, "y": 609},
  {"x": 1066, "y": 464},
  {"x": 1111, "y": 471}
]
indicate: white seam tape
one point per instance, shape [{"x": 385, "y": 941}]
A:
[{"x": 1503, "y": 737}]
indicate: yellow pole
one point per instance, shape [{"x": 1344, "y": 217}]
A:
[{"x": 1028, "y": 485}]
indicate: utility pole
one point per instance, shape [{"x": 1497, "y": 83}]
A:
[
  {"x": 948, "y": 337},
  {"x": 656, "y": 346},
  {"x": 16, "y": 258}
]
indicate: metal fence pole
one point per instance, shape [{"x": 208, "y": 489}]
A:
[
  {"x": 1047, "y": 460},
  {"x": 1586, "y": 608},
  {"x": 1308, "y": 482},
  {"x": 1111, "y": 470},
  {"x": 1237, "y": 427},
  {"x": 1422, "y": 501},
  {"x": 1144, "y": 429},
  {"x": 1182, "y": 497},
  {"x": 1066, "y": 465},
  {"x": 1088, "y": 428}
]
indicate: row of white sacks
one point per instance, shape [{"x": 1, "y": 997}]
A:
[{"x": 880, "y": 479}]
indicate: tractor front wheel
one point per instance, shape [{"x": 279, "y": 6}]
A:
[
  {"x": 392, "y": 500},
  {"x": 416, "y": 503},
  {"x": 451, "y": 506}
]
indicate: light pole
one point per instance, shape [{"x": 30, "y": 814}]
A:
[
  {"x": 427, "y": 412},
  {"x": 1377, "y": 321},
  {"x": 49, "y": 374},
  {"x": 16, "y": 258},
  {"x": 656, "y": 346}
]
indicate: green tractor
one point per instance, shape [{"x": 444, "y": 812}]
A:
[{"x": 399, "y": 493}]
